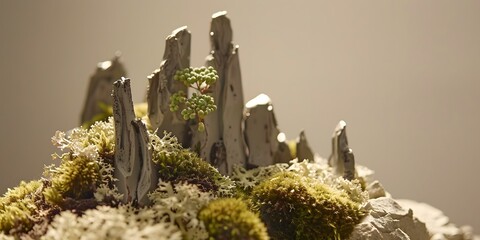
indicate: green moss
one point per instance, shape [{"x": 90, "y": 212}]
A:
[
  {"x": 177, "y": 165},
  {"x": 76, "y": 177},
  {"x": 17, "y": 207},
  {"x": 85, "y": 165},
  {"x": 229, "y": 218},
  {"x": 296, "y": 207}
]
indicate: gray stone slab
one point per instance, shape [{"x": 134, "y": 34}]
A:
[
  {"x": 162, "y": 86},
  {"x": 303, "y": 149},
  {"x": 266, "y": 144},
  {"x": 148, "y": 178},
  {"x": 223, "y": 127},
  {"x": 100, "y": 88},
  {"x": 342, "y": 159},
  {"x": 126, "y": 169}
]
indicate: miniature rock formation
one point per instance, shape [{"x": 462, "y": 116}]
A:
[
  {"x": 148, "y": 175},
  {"x": 437, "y": 223},
  {"x": 342, "y": 159},
  {"x": 265, "y": 142},
  {"x": 222, "y": 143},
  {"x": 303, "y": 149},
  {"x": 162, "y": 86},
  {"x": 133, "y": 158},
  {"x": 100, "y": 88},
  {"x": 376, "y": 190},
  {"x": 388, "y": 220}
]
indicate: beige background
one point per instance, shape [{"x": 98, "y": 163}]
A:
[{"x": 405, "y": 75}]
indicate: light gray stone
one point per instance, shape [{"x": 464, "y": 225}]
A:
[
  {"x": 265, "y": 142},
  {"x": 375, "y": 190},
  {"x": 126, "y": 169},
  {"x": 389, "y": 220},
  {"x": 162, "y": 86},
  {"x": 303, "y": 149},
  {"x": 148, "y": 178},
  {"x": 437, "y": 223},
  {"x": 100, "y": 88},
  {"x": 342, "y": 159},
  {"x": 223, "y": 127}
]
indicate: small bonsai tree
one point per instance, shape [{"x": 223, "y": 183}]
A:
[
  {"x": 200, "y": 103},
  {"x": 230, "y": 218}
]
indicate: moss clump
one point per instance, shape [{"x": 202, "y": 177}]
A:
[
  {"x": 76, "y": 177},
  {"x": 296, "y": 207},
  {"x": 229, "y": 218},
  {"x": 84, "y": 166},
  {"x": 18, "y": 208},
  {"x": 178, "y": 165}
]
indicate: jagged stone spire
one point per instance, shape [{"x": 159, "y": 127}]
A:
[
  {"x": 303, "y": 149},
  {"x": 100, "y": 88},
  {"x": 133, "y": 164},
  {"x": 222, "y": 143},
  {"x": 266, "y": 144},
  {"x": 342, "y": 159},
  {"x": 162, "y": 86}
]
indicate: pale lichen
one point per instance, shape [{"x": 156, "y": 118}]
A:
[
  {"x": 104, "y": 222},
  {"x": 85, "y": 164},
  {"x": 179, "y": 204}
]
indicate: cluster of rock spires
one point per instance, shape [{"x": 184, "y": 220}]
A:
[{"x": 235, "y": 134}]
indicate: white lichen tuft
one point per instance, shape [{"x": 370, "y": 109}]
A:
[
  {"x": 5, "y": 237},
  {"x": 180, "y": 204},
  {"x": 247, "y": 179},
  {"x": 317, "y": 169},
  {"x": 320, "y": 171},
  {"x": 104, "y": 193},
  {"x": 123, "y": 222}
]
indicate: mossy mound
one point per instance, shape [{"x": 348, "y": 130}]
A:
[
  {"x": 18, "y": 209},
  {"x": 230, "y": 218},
  {"x": 296, "y": 207},
  {"x": 177, "y": 165}
]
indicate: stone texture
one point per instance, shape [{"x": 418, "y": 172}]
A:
[
  {"x": 126, "y": 169},
  {"x": 223, "y": 127},
  {"x": 390, "y": 221},
  {"x": 437, "y": 223},
  {"x": 265, "y": 142},
  {"x": 342, "y": 159},
  {"x": 100, "y": 88},
  {"x": 375, "y": 190},
  {"x": 162, "y": 86},
  {"x": 133, "y": 165},
  {"x": 303, "y": 149},
  {"x": 148, "y": 178}
]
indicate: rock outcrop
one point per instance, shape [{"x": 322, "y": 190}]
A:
[{"x": 388, "y": 220}]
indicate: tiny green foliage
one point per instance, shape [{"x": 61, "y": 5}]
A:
[
  {"x": 199, "y": 104},
  {"x": 17, "y": 207},
  {"x": 297, "y": 207},
  {"x": 230, "y": 218},
  {"x": 177, "y": 165}
]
